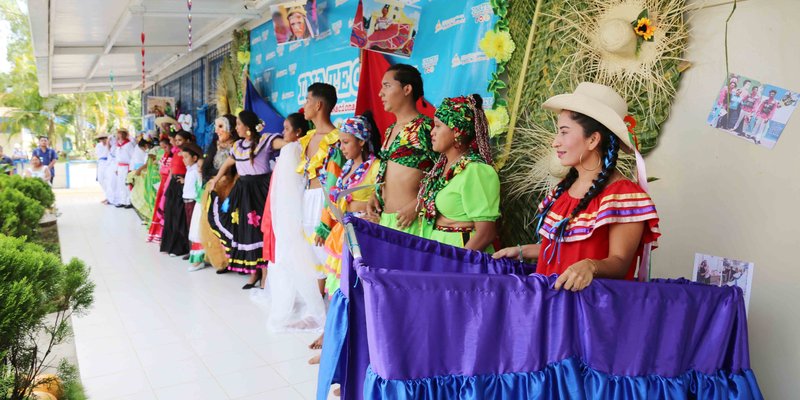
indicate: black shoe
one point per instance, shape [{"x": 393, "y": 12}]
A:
[
  {"x": 186, "y": 257},
  {"x": 128, "y": 206},
  {"x": 222, "y": 271},
  {"x": 119, "y": 206},
  {"x": 257, "y": 283}
]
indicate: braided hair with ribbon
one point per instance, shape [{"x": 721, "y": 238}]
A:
[
  {"x": 465, "y": 117},
  {"x": 609, "y": 152},
  {"x": 255, "y": 126}
]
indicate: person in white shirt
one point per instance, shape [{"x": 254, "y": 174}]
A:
[
  {"x": 139, "y": 156},
  {"x": 101, "y": 152},
  {"x": 38, "y": 170},
  {"x": 192, "y": 156},
  {"x": 123, "y": 151}
]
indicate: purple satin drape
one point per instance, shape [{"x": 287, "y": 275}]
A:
[
  {"x": 430, "y": 324},
  {"x": 420, "y": 309}
]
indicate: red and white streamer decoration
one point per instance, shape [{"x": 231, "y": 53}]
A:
[{"x": 144, "y": 78}]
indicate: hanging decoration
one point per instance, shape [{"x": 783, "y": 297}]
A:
[
  {"x": 144, "y": 77},
  {"x": 189, "y": 4},
  {"x": 111, "y": 78}
]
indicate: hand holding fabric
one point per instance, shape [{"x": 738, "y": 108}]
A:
[{"x": 578, "y": 276}]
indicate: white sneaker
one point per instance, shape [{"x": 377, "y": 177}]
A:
[{"x": 197, "y": 267}]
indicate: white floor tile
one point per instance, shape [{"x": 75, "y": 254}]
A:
[
  {"x": 309, "y": 390},
  {"x": 116, "y": 385},
  {"x": 155, "y": 338},
  {"x": 158, "y": 332},
  {"x": 287, "y": 393},
  {"x": 143, "y": 395},
  {"x": 110, "y": 363},
  {"x": 169, "y": 352},
  {"x": 94, "y": 347},
  {"x": 197, "y": 390},
  {"x": 228, "y": 362},
  {"x": 278, "y": 351},
  {"x": 173, "y": 373},
  {"x": 297, "y": 371},
  {"x": 252, "y": 381}
]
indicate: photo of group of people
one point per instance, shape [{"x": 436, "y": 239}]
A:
[
  {"x": 161, "y": 106},
  {"x": 386, "y": 26},
  {"x": 296, "y": 20},
  {"x": 752, "y": 110},
  {"x": 719, "y": 271}
]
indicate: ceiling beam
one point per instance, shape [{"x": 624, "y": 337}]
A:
[
  {"x": 90, "y": 89},
  {"x": 118, "y": 80},
  {"x": 99, "y": 50},
  {"x": 198, "y": 11},
  {"x": 39, "y": 19},
  {"x": 122, "y": 21}
]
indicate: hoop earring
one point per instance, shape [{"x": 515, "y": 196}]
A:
[{"x": 580, "y": 162}]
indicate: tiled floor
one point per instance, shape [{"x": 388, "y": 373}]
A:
[{"x": 159, "y": 332}]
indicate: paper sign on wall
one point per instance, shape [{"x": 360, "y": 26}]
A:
[
  {"x": 752, "y": 110},
  {"x": 720, "y": 271}
]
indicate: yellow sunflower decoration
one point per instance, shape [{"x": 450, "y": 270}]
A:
[
  {"x": 497, "y": 45},
  {"x": 644, "y": 28},
  {"x": 498, "y": 120}
]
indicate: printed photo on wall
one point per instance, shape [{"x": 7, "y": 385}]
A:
[
  {"x": 161, "y": 106},
  {"x": 386, "y": 26},
  {"x": 752, "y": 110},
  {"x": 295, "y": 20},
  {"x": 719, "y": 271}
]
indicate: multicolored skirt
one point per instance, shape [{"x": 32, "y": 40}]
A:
[
  {"x": 333, "y": 265},
  {"x": 215, "y": 252},
  {"x": 247, "y": 199}
]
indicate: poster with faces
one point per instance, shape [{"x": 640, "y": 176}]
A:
[{"x": 295, "y": 20}]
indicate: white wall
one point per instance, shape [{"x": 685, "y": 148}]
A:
[{"x": 721, "y": 195}]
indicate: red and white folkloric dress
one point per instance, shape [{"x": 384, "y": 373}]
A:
[{"x": 587, "y": 236}]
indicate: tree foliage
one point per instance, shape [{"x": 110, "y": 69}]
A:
[
  {"x": 37, "y": 297},
  {"x": 80, "y": 116}
]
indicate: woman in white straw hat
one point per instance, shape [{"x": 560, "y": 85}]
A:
[{"x": 596, "y": 222}]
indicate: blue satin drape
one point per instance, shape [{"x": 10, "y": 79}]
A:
[{"x": 568, "y": 379}]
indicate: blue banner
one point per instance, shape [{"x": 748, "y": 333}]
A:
[{"x": 446, "y": 52}]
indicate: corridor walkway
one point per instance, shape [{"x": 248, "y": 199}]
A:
[{"x": 159, "y": 332}]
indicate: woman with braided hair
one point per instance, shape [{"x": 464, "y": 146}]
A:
[
  {"x": 596, "y": 222},
  {"x": 251, "y": 155},
  {"x": 459, "y": 198}
]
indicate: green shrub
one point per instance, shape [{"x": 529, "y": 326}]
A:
[
  {"x": 73, "y": 389},
  {"x": 34, "y": 284},
  {"x": 19, "y": 214},
  {"x": 36, "y": 189}
]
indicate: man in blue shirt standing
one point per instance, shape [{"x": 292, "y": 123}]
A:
[{"x": 47, "y": 155}]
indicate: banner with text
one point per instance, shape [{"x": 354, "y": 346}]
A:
[{"x": 282, "y": 73}]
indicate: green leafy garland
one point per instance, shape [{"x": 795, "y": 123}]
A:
[{"x": 498, "y": 44}]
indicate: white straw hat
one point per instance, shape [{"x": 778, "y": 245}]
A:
[{"x": 598, "y": 101}]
